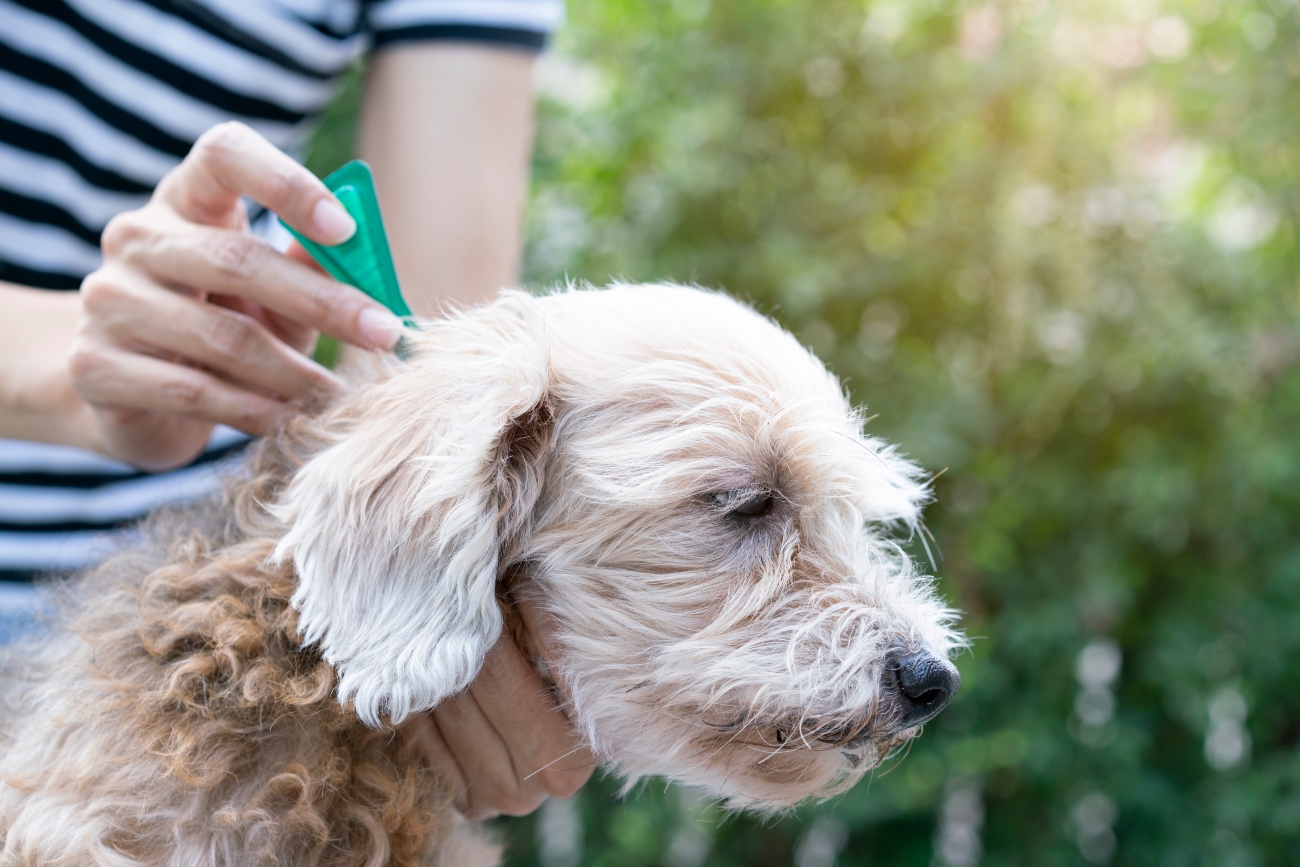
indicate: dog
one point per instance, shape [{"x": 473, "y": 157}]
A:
[{"x": 680, "y": 489}]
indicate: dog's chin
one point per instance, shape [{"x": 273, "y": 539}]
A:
[
  {"x": 783, "y": 780},
  {"x": 794, "y": 774},
  {"x": 757, "y": 778}
]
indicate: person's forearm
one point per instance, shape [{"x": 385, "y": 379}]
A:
[
  {"x": 448, "y": 130},
  {"x": 37, "y": 401}
]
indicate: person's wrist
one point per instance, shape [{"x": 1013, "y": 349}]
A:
[
  {"x": 43, "y": 406},
  {"x": 37, "y": 398},
  {"x": 77, "y": 421}
]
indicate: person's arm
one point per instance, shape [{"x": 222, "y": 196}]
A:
[
  {"x": 448, "y": 129},
  {"x": 37, "y": 401}
]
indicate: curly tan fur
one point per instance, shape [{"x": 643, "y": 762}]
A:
[
  {"x": 200, "y": 730},
  {"x": 227, "y": 690}
]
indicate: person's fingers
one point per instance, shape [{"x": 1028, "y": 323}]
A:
[
  {"x": 113, "y": 378},
  {"x": 231, "y": 160},
  {"x": 510, "y": 741},
  {"x": 233, "y": 263},
  {"x": 300, "y": 337},
  {"x": 543, "y": 746},
  {"x": 493, "y": 784},
  {"x": 149, "y": 440},
  {"x": 137, "y": 313},
  {"x": 423, "y": 731},
  {"x": 298, "y": 253}
]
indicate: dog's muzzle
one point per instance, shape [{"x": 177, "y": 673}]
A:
[
  {"x": 915, "y": 686},
  {"x": 925, "y": 683}
]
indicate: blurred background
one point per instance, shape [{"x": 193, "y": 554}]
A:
[{"x": 1052, "y": 243}]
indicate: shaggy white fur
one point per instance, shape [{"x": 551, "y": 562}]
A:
[
  {"x": 680, "y": 486},
  {"x": 676, "y": 622}
]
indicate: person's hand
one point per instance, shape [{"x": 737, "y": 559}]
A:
[
  {"x": 504, "y": 744},
  {"x": 193, "y": 321}
]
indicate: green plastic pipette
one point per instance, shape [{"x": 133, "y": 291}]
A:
[{"x": 363, "y": 260}]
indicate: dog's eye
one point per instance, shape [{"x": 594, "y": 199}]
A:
[{"x": 747, "y": 504}]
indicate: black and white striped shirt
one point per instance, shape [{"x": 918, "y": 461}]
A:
[{"x": 98, "y": 100}]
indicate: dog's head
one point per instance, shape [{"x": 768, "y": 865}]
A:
[{"x": 679, "y": 488}]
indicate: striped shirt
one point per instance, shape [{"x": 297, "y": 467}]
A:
[{"x": 98, "y": 100}]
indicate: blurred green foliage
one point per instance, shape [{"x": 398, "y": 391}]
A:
[{"x": 1052, "y": 243}]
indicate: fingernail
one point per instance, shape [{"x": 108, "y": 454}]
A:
[
  {"x": 333, "y": 224},
  {"x": 381, "y": 328}
]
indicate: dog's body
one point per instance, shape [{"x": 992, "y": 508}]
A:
[{"x": 671, "y": 479}]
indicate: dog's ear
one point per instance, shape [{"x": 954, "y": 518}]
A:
[{"x": 395, "y": 526}]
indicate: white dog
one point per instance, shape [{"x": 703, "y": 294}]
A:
[{"x": 678, "y": 487}]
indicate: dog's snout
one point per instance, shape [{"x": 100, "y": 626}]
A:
[{"x": 926, "y": 683}]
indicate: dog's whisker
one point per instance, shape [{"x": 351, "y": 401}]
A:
[
  {"x": 553, "y": 762},
  {"x": 863, "y": 446}
]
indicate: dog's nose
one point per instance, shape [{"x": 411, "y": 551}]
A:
[{"x": 926, "y": 683}]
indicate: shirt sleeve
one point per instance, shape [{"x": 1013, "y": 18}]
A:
[{"x": 520, "y": 23}]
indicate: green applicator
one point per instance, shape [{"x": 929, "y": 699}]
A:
[{"x": 363, "y": 260}]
